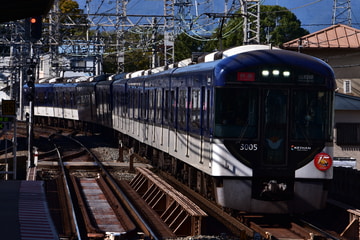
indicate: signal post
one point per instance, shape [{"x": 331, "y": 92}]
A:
[{"x": 33, "y": 26}]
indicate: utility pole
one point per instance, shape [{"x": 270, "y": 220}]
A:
[
  {"x": 342, "y": 12},
  {"x": 251, "y": 11},
  {"x": 115, "y": 24},
  {"x": 169, "y": 31},
  {"x": 31, "y": 73}
]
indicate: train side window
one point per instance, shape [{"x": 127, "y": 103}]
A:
[
  {"x": 124, "y": 102},
  {"x": 68, "y": 100},
  {"x": 115, "y": 103},
  {"x": 50, "y": 98},
  {"x": 37, "y": 98},
  {"x": 166, "y": 106},
  {"x": 152, "y": 104},
  {"x": 206, "y": 110},
  {"x": 73, "y": 99},
  {"x": 105, "y": 104},
  {"x": 72, "y": 103},
  {"x": 201, "y": 114},
  {"x": 131, "y": 104},
  {"x": 195, "y": 107},
  {"x": 108, "y": 98},
  {"x": 182, "y": 109},
  {"x": 62, "y": 99},
  {"x": 40, "y": 98},
  {"x": 159, "y": 105},
  {"x": 119, "y": 104},
  {"x": 145, "y": 105},
  {"x": 142, "y": 105},
  {"x": 173, "y": 107},
  {"x": 69, "y": 95},
  {"x": 65, "y": 99},
  {"x": 98, "y": 105},
  {"x": 136, "y": 104},
  {"x": 56, "y": 99},
  {"x": 79, "y": 98},
  {"x": 46, "y": 99}
]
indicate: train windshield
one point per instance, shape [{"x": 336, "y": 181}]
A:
[
  {"x": 312, "y": 115},
  {"x": 304, "y": 114},
  {"x": 236, "y": 114}
]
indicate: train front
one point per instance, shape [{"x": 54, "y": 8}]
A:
[{"x": 273, "y": 131}]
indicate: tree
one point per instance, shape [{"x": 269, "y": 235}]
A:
[
  {"x": 137, "y": 52},
  {"x": 277, "y": 25},
  {"x": 281, "y": 24},
  {"x": 185, "y": 45},
  {"x": 73, "y": 20}
]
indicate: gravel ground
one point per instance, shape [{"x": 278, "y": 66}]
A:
[{"x": 107, "y": 152}]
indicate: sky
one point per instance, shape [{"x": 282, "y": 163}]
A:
[
  {"x": 316, "y": 14},
  {"x": 313, "y": 14}
]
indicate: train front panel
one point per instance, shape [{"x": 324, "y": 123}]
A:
[{"x": 273, "y": 115}]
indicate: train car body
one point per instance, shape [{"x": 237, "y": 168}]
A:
[
  {"x": 258, "y": 122},
  {"x": 44, "y": 98},
  {"x": 91, "y": 105},
  {"x": 273, "y": 114},
  {"x": 104, "y": 103},
  {"x": 65, "y": 101},
  {"x": 86, "y": 102}
]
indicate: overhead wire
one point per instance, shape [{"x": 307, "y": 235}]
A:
[{"x": 193, "y": 25}]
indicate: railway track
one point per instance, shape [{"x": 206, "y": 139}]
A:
[
  {"x": 254, "y": 226},
  {"x": 104, "y": 210},
  {"x": 95, "y": 210},
  {"x": 102, "y": 213},
  {"x": 147, "y": 201}
]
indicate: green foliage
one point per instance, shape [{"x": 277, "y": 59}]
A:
[
  {"x": 109, "y": 64},
  {"x": 185, "y": 45},
  {"x": 275, "y": 21},
  {"x": 234, "y": 33},
  {"x": 281, "y": 24},
  {"x": 74, "y": 22},
  {"x": 277, "y": 26},
  {"x": 69, "y": 6},
  {"x": 137, "y": 60}
]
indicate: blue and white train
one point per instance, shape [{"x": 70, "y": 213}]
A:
[{"x": 251, "y": 128}]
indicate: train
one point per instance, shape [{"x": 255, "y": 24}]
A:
[{"x": 250, "y": 127}]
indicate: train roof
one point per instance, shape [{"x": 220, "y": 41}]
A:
[
  {"x": 204, "y": 58},
  {"x": 212, "y": 59},
  {"x": 65, "y": 85},
  {"x": 247, "y": 60}
]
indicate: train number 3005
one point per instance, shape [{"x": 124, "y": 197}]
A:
[{"x": 248, "y": 147}]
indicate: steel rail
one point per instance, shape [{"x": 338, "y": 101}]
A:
[
  {"x": 115, "y": 186},
  {"x": 68, "y": 193}
]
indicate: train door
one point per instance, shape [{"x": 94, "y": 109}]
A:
[{"x": 273, "y": 172}]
